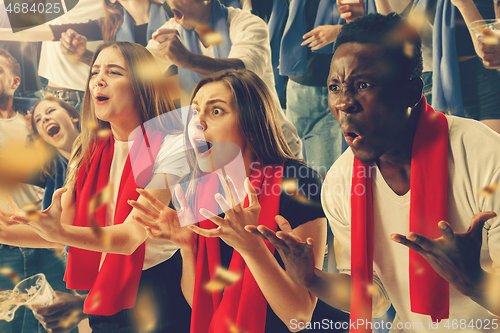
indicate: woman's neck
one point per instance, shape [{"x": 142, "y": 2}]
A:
[{"x": 139, "y": 10}]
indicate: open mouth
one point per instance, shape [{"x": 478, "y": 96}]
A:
[
  {"x": 203, "y": 146},
  {"x": 352, "y": 135},
  {"x": 102, "y": 98},
  {"x": 53, "y": 130},
  {"x": 352, "y": 138}
]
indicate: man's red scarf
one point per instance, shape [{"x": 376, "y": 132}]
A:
[
  {"x": 429, "y": 292},
  {"x": 242, "y": 304},
  {"x": 113, "y": 287}
]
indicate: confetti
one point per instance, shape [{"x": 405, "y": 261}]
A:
[
  {"x": 209, "y": 36},
  {"x": 222, "y": 279},
  {"x": 104, "y": 133},
  {"x": 101, "y": 198},
  {"x": 233, "y": 328},
  {"x": 20, "y": 162},
  {"x": 291, "y": 187},
  {"x": 93, "y": 126},
  {"x": 31, "y": 211},
  {"x": 73, "y": 318},
  {"x": 493, "y": 287},
  {"x": 488, "y": 191},
  {"x": 409, "y": 47},
  {"x": 103, "y": 236},
  {"x": 146, "y": 312},
  {"x": 96, "y": 300},
  {"x": 10, "y": 273},
  {"x": 372, "y": 289}
]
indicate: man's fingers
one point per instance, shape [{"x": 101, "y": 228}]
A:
[
  {"x": 403, "y": 240},
  {"x": 270, "y": 236},
  {"x": 283, "y": 223},
  {"x": 425, "y": 243},
  {"x": 309, "y": 40},
  {"x": 477, "y": 224},
  {"x": 446, "y": 231}
]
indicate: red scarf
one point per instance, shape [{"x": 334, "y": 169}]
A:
[
  {"x": 242, "y": 304},
  {"x": 113, "y": 287},
  {"x": 429, "y": 292}
]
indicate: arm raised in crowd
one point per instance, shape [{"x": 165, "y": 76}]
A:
[{"x": 56, "y": 225}]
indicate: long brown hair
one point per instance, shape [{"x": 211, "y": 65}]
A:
[
  {"x": 113, "y": 18},
  {"x": 257, "y": 117},
  {"x": 151, "y": 93},
  {"x": 48, "y": 170}
]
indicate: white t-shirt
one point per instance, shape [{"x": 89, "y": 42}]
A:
[
  {"x": 250, "y": 43},
  {"x": 15, "y": 130},
  {"x": 474, "y": 162},
  {"x": 58, "y": 68},
  {"x": 174, "y": 163}
]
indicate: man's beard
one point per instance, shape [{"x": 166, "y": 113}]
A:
[{"x": 3, "y": 98}]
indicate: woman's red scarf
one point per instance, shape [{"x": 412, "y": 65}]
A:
[
  {"x": 242, "y": 304},
  {"x": 113, "y": 287},
  {"x": 429, "y": 292}
]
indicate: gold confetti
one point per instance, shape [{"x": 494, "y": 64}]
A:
[
  {"x": 409, "y": 47},
  {"x": 72, "y": 319},
  {"x": 290, "y": 187},
  {"x": 208, "y": 36},
  {"x": 101, "y": 198},
  {"x": 233, "y": 328},
  {"x": 59, "y": 252},
  {"x": 104, "y": 133},
  {"x": 20, "y": 162},
  {"x": 488, "y": 191},
  {"x": 31, "y": 211},
  {"x": 10, "y": 273},
  {"x": 372, "y": 289},
  {"x": 419, "y": 270},
  {"x": 146, "y": 311},
  {"x": 93, "y": 126},
  {"x": 97, "y": 231},
  {"x": 96, "y": 300},
  {"x": 222, "y": 279},
  {"x": 493, "y": 290}
]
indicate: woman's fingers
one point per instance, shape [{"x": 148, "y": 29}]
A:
[
  {"x": 145, "y": 223},
  {"x": 144, "y": 210},
  {"x": 206, "y": 232},
  {"x": 152, "y": 200}
]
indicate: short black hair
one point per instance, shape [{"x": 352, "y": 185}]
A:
[{"x": 402, "y": 41}]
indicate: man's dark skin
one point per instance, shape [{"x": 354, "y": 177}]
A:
[{"x": 378, "y": 113}]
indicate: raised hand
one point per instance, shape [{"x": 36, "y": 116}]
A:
[
  {"x": 351, "y": 12},
  {"x": 454, "y": 256},
  {"x": 6, "y": 216},
  {"x": 63, "y": 315},
  {"x": 73, "y": 44},
  {"x": 321, "y": 36},
  {"x": 47, "y": 224},
  {"x": 162, "y": 222},
  {"x": 297, "y": 255},
  {"x": 171, "y": 47},
  {"x": 231, "y": 227}
]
